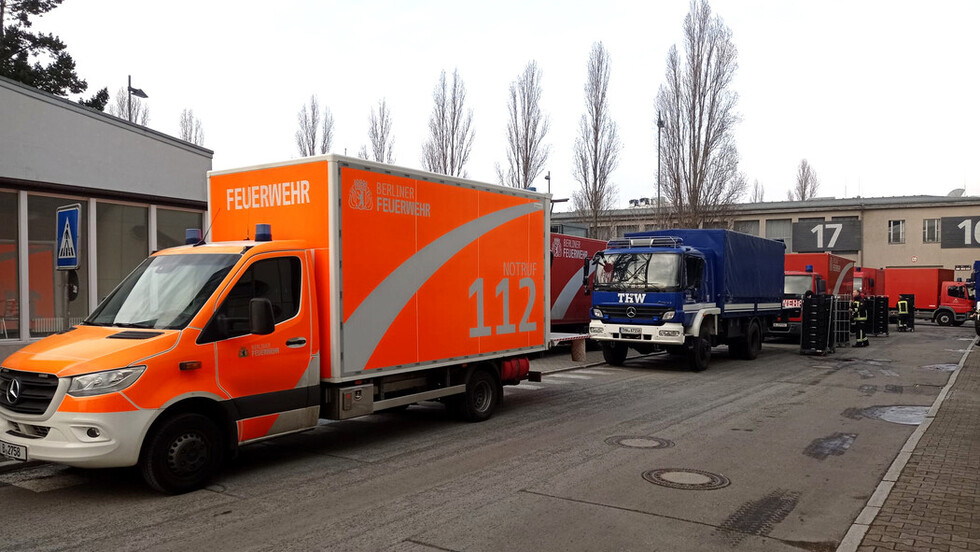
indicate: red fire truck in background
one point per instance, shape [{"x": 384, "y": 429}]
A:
[
  {"x": 569, "y": 303},
  {"x": 938, "y": 296},
  {"x": 817, "y": 273},
  {"x": 869, "y": 281}
]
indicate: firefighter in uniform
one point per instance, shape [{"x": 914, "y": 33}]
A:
[
  {"x": 903, "y": 315},
  {"x": 859, "y": 315}
]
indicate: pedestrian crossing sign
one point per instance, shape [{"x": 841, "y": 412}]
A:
[{"x": 66, "y": 236}]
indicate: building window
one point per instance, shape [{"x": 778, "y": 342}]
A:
[
  {"x": 930, "y": 231},
  {"x": 896, "y": 231},
  {"x": 171, "y": 225},
  {"x": 47, "y": 301},
  {"x": 747, "y": 227},
  {"x": 622, "y": 229},
  {"x": 9, "y": 282},
  {"x": 781, "y": 230},
  {"x": 122, "y": 243}
]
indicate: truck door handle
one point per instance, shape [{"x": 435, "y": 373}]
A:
[{"x": 296, "y": 342}]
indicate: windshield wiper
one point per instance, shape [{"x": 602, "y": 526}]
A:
[
  {"x": 87, "y": 323},
  {"x": 143, "y": 325}
]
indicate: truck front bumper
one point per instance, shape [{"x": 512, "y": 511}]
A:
[
  {"x": 81, "y": 439},
  {"x": 669, "y": 333}
]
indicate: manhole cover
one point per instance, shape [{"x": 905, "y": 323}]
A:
[
  {"x": 639, "y": 442},
  {"x": 686, "y": 479},
  {"x": 907, "y": 415}
]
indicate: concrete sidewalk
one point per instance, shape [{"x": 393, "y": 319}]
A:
[{"x": 933, "y": 504}]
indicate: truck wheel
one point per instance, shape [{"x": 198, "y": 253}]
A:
[
  {"x": 480, "y": 399},
  {"x": 753, "y": 342},
  {"x": 182, "y": 454},
  {"x": 700, "y": 352},
  {"x": 944, "y": 319},
  {"x": 614, "y": 353}
]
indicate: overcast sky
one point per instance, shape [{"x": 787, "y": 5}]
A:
[{"x": 880, "y": 97}]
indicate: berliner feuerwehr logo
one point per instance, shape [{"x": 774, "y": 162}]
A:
[
  {"x": 360, "y": 197},
  {"x": 556, "y": 247}
]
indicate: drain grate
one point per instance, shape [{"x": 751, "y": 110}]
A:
[
  {"x": 686, "y": 479},
  {"x": 643, "y": 442}
]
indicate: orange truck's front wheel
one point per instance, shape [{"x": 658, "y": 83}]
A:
[{"x": 181, "y": 454}]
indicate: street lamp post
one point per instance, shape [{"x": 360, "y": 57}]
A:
[
  {"x": 660, "y": 127},
  {"x": 548, "y": 178},
  {"x": 129, "y": 98}
]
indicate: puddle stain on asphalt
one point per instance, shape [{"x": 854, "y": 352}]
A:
[
  {"x": 836, "y": 445},
  {"x": 758, "y": 517},
  {"x": 868, "y": 390},
  {"x": 905, "y": 415},
  {"x": 941, "y": 367},
  {"x": 894, "y": 389}
]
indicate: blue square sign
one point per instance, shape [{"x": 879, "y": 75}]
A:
[{"x": 66, "y": 236}]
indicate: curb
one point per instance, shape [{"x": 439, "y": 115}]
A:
[{"x": 855, "y": 534}]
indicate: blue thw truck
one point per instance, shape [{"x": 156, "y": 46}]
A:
[{"x": 685, "y": 291}]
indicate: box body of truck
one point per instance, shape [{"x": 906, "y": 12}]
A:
[
  {"x": 937, "y": 296},
  {"x": 329, "y": 287},
  {"x": 570, "y": 255},
  {"x": 869, "y": 281},
  {"x": 685, "y": 291}
]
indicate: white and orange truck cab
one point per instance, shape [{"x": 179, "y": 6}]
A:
[{"x": 332, "y": 288}]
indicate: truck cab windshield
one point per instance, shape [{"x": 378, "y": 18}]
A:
[
  {"x": 164, "y": 292},
  {"x": 798, "y": 284},
  {"x": 638, "y": 271}
]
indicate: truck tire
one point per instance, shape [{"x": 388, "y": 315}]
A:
[
  {"x": 753, "y": 342},
  {"x": 614, "y": 353},
  {"x": 480, "y": 399},
  {"x": 944, "y": 318},
  {"x": 699, "y": 352},
  {"x": 182, "y": 454}
]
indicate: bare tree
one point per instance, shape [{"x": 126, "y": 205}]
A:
[
  {"x": 190, "y": 128},
  {"x": 450, "y": 139},
  {"x": 597, "y": 146},
  {"x": 326, "y": 133},
  {"x": 699, "y": 154},
  {"x": 312, "y": 138},
  {"x": 806, "y": 183},
  {"x": 379, "y": 132},
  {"x": 526, "y": 129},
  {"x": 758, "y": 192},
  {"x": 120, "y": 107}
]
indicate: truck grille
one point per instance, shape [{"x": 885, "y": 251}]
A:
[
  {"x": 642, "y": 311},
  {"x": 26, "y": 392}
]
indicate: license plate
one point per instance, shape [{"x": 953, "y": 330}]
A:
[
  {"x": 779, "y": 325},
  {"x": 12, "y": 451},
  {"x": 631, "y": 331}
]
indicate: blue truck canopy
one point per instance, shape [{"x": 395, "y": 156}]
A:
[{"x": 744, "y": 269}]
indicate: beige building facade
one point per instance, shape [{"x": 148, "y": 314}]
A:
[{"x": 885, "y": 232}]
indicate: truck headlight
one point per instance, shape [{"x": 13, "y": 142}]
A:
[
  {"x": 100, "y": 383},
  {"x": 597, "y": 313},
  {"x": 669, "y": 315}
]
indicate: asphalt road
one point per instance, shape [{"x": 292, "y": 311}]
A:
[{"x": 596, "y": 458}]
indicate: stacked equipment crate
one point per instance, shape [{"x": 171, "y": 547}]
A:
[
  {"x": 878, "y": 314},
  {"x": 817, "y": 328}
]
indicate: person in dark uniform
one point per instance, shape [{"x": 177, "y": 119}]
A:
[{"x": 859, "y": 316}]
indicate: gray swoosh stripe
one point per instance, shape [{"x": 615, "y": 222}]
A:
[
  {"x": 568, "y": 293},
  {"x": 841, "y": 279},
  {"x": 372, "y": 318}
]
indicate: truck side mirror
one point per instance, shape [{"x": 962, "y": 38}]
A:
[
  {"x": 585, "y": 276},
  {"x": 261, "y": 320},
  {"x": 821, "y": 286}
]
